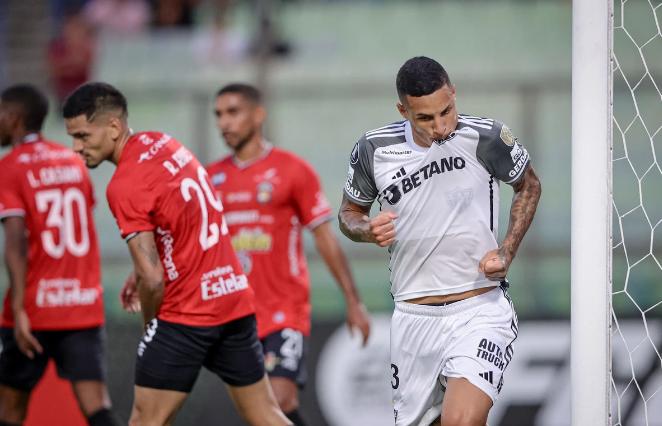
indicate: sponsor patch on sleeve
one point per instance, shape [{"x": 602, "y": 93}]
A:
[
  {"x": 507, "y": 136},
  {"x": 354, "y": 156}
]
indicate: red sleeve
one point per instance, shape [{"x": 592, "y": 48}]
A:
[
  {"x": 11, "y": 201},
  {"x": 311, "y": 204},
  {"x": 89, "y": 187},
  {"x": 132, "y": 206}
]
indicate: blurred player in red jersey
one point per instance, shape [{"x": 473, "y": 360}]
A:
[
  {"x": 269, "y": 195},
  {"x": 54, "y": 306},
  {"x": 196, "y": 303}
]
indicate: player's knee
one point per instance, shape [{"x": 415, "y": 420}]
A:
[
  {"x": 287, "y": 401},
  {"x": 92, "y": 400},
  {"x": 12, "y": 412},
  {"x": 136, "y": 418},
  {"x": 13, "y": 408}
]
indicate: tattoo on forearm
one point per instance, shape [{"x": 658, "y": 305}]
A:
[
  {"x": 352, "y": 223},
  {"x": 354, "y": 227},
  {"x": 525, "y": 202}
]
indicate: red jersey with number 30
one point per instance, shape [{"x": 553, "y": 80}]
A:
[
  {"x": 267, "y": 203},
  {"x": 49, "y": 186},
  {"x": 160, "y": 187}
]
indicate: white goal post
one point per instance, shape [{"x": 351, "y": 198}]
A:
[{"x": 592, "y": 28}]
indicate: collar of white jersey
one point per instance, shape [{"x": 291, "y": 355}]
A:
[
  {"x": 268, "y": 146},
  {"x": 31, "y": 137},
  {"x": 409, "y": 138}
]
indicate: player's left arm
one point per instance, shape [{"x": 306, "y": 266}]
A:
[
  {"x": 16, "y": 259},
  {"x": 314, "y": 211},
  {"x": 527, "y": 190},
  {"x": 149, "y": 275},
  {"x": 329, "y": 248}
]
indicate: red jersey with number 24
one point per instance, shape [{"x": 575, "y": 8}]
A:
[
  {"x": 49, "y": 186},
  {"x": 268, "y": 201},
  {"x": 160, "y": 187}
]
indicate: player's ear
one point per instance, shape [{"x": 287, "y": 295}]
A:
[
  {"x": 260, "y": 114},
  {"x": 452, "y": 86},
  {"x": 14, "y": 118},
  {"x": 115, "y": 128},
  {"x": 402, "y": 110}
]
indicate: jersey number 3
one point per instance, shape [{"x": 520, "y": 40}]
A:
[
  {"x": 209, "y": 232},
  {"x": 61, "y": 206},
  {"x": 395, "y": 381}
]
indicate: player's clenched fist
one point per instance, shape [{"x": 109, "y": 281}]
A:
[
  {"x": 382, "y": 228},
  {"x": 494, "y": 265}
]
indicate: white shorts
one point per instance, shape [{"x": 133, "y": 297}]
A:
[{"x": 471, "y": 339}]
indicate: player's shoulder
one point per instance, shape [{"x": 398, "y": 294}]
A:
[
  {"x": 489, "y": 129},
  {"x": 219, "y": 165},
  {"x": 218, "y": 170},
  {"x": 290, "y": 163},
  {"x": 9, "y": 159},
  {"x": 285, "y": 158},
  {"x": 62, "y": 153},
  {"x": 380, "y": 137},
  {"x": 53, "y": 145},
  {"x": 27, "y": 154},
  {"x": 142, "y": 147},
  {"x": 17, "y": 155},
  {"x": 389, "y": 134}
]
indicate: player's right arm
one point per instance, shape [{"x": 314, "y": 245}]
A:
[
  {"x": 360, "y": 192},
  {"x": 16, "y": 259},
  {"x": 356, "y": 224},
  {"x": 148, "y": 273}
]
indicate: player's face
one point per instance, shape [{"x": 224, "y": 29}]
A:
[
  {"x": 238, "y": 119},
  {"x": 433, "y": 117},
  {"x": 7, "y": 122},
  {"x": 94, "y": 141}
]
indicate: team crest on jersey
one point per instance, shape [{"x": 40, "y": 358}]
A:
[
  {"x": 460, "y": 198},
  {"x": 507, "y": 136},
  {"x": 265, "y": 191},
  {"x": 245, "y": 261},
  {"x": 354, "y": 156},
  {"x": 218, "y": 178}
]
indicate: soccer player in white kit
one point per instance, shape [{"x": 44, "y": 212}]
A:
[{"x": 436, "y": 176}]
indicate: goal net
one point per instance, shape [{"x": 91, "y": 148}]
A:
[{"x": 636, "y": 303}]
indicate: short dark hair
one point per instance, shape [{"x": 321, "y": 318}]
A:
[
  {"x": 420, "y": 76},
  {"x": 31, "y": 101},
  {"x": 94, "y": 98},
  {"x": 250, "y": 92}
]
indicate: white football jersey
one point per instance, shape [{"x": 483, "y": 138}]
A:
[{"x": 446, "y": 198}]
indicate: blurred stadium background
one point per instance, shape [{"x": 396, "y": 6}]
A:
[{"x": 329, "y": 76}]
